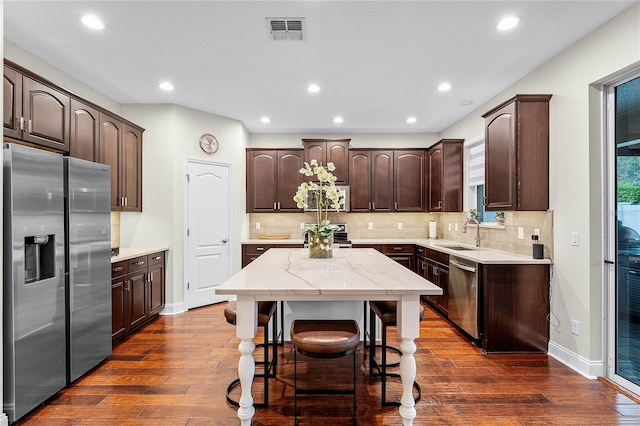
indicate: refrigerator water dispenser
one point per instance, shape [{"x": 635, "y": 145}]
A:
[{"x": 39, "y": 258}]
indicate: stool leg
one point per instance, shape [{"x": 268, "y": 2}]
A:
[
  {"x": 295, "y": 386},
  {"x": 267, "y": 365},
  {"x": 281, "y": 323},
  {"x": 274, "y": 343},
  {"x": 384, "y": 364},
  {"x": 354, "y": 389},
  {"x": 372, "y": 342}
]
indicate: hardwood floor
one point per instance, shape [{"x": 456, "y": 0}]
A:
[{"x": 175, "y": 371}]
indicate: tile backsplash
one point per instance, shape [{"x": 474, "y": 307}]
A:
[
  {"x": 416, "y": 225},
  {"x": 115, "y": 229}
]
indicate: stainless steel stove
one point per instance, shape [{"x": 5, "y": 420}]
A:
[{"x": 340, "y": 238}]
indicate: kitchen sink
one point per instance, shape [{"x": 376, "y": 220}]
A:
[{"x": 461, "y": 248}]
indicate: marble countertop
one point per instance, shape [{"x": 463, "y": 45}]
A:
[
  {"x": 127, "y": 253},
  {"x": 479, "y": 255},
  {"x": 288, "y": 273}
]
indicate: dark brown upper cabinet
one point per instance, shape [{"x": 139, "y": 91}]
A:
[
  {"x": 444, "y": 164},
  {"x": 334, "y": 151},
  {"x": 85, "y": 131},
  {"x": 35, "y": 112},
  {"x": 517, "y": 154},
  {"x": 121, "y": 148},
  {"x": 371, "y": 180},
  {"x": 272, "y": 179},
  {"x": 408, "y": 180}
]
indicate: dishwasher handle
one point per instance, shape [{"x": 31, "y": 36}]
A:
[{"x": 461, "y": 266}]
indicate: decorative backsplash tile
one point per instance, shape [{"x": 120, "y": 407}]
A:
[{"x": 416, "y": 225}]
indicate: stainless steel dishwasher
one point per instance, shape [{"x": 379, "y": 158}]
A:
[{"x": 463, "y": 295}]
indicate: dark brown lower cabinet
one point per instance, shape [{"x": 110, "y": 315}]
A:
[
  {"x": 250, "y": 252},
  {"x": 515, "y": 308},
  {"x": 434, "y": 266},
  {"x": 137, "y": 292},
  {"x": 401, "y": 253}
]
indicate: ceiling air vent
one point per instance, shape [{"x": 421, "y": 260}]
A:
[{"x": 286, "y": 28}]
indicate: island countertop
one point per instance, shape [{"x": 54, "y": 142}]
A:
[{"x": 364, "y": 274}]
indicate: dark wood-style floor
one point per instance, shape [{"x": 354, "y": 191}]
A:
[{"x": 175, "y": 370}]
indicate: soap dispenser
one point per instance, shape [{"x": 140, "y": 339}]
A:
[{"x": 538, "y": 248}]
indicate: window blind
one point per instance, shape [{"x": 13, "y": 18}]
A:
[{"x": 476, "y": 164}]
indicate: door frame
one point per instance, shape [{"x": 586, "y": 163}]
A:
[
  {"x": 609, "y": 227},
  {"x": 185, "y": 241}
]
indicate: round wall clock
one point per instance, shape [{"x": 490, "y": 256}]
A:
[{"x": 208, "y": 144}]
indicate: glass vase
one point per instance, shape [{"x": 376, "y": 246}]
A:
[{"x": 320, "y": 247}]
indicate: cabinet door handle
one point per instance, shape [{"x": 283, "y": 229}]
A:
[
  {"x": 439, "y": 204},
  {"x": 278, "y": 205},
  {"x": 30, "y": 125},
  {"x": 395, "y": 205},
  {"x": 21, "y": 124},
  {"x": 126, "y": 201},
  {"x": 485, "y": 200},
  {"x": 373, "y": 205},
  {"x": 274, "y": 205}
]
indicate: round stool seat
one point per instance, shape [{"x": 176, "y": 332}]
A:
[
  {"x": 265, "y": 312},
  {"x": 325, "y": 338},
  {"x": 386, "y": 311}
]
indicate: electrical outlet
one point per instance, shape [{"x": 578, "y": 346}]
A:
[
  {"x": 520, "y": 233},
  {"x": 456, "y": 227},
  {"x": 399, "y": 225},
  {"x": 257, "y": 225},
  {"x": 302, "y": 225},
  {"x": 370, "y": 225},
  {"x": 536, "y": 231},
  {"x": 574, "y": 327},
  {"x": 449, "y": 227}
]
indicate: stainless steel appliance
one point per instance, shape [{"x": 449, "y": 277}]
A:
[
  {"x": 340, "y": 238},
  {"x": 88, "y": 264},
  {"x": 463, "y": 295},
  {"x": 312, "y": 201},
  {"x": 40, "y": 327}
]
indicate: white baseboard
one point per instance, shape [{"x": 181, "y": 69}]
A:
[
  {"x": 173, "y": 309},
  {"x": 589, "y": 369},
  {"x": 4, "y": 420}
]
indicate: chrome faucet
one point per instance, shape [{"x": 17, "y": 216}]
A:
[{"x": 473, "y": 222}]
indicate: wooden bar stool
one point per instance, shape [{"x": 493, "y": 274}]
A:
[
  {"x": 266, "y": 312},
  {"x": 324, "y": 339},
  {"x": 386, "y": 311}
]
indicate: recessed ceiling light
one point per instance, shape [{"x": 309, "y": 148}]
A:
[
  {"x": 443, "y": 87},
  {"x": 92, "y": 22},
  {"x": 411, "y": 120},
  {"x": 338, "y": 120},
  {"x": 166, "y": 86},
  {"x": 508, "y": 23},
  {"x": 265, "y": 120},
  {"x": 313, "y": 88}
]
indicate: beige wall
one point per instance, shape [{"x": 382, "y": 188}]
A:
[
  {"x": 575, "y": 170},
  {"x": 171, "y": 137}
]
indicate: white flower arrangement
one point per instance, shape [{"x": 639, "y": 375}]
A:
[{"x": 333, "y": 197}]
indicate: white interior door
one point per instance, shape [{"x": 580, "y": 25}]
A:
[{"x": 209, "y": 230}]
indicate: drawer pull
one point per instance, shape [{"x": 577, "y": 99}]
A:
[
  {"x": 397, "y": 248},
  {"x": 139, "y": 263},
  {"x": 156, "y": 258},
  {"x": 118, "y": 269},
  {"x": 259, "y": 248}
]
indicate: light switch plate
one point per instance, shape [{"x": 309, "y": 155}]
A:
[
  {"x": 399, "y": 225},
  {"x": 257, "y": 225},
  {"x": 370, "y": 225},
  {"x": 520, "y": 233},
  {"x": 575, "y": 239}
]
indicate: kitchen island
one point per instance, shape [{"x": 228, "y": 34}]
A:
[{"x": 352, "y": 274}]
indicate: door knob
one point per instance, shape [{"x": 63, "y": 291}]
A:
[{"x": 224, "y": 241}]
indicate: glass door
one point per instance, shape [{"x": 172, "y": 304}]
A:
[{"x": 623, "y": 128}]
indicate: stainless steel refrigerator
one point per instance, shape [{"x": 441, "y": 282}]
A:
[
  {"x": 88, "y": 264},
  {"x": 46, "y": 320}
]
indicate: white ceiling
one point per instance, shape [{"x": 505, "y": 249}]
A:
[{"x": 377, "y": 62}]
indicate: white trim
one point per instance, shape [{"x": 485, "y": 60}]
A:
[
  {"x": 173, "y": 309},
  {"x": 589, "y": 369},
  {"x": 185, "y": 203},
  {"x": 4, "y": 420}
]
